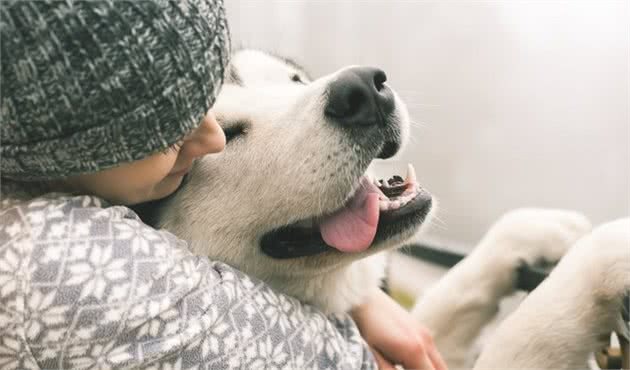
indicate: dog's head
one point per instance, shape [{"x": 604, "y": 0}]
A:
[{"x": 290, "y": 196}]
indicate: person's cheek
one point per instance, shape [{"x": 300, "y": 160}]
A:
[{"x": 148, "y": 175}]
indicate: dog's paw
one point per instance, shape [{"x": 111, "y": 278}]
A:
[
  {"x": 531, "y": 236},
  {"x": 593, "y": 278},
  {"x": 602, "y": 259}
]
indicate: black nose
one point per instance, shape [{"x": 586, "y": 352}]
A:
[{"x": 359, "y": 97}]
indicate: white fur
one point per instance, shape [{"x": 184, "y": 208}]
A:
[
  {"x": 292, "y": 165},
  {"x": 467, "y": 298},
  {"x": 573, "y": 312}
]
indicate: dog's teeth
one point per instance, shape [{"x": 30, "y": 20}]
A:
[
  {"x": 394, "y": 180},
  {"x": 411, "y": 174}
]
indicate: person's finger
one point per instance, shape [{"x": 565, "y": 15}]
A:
[
  {"x": 431, "y": 350},
  {"x": 382, "y": 362},
  {"x": 436, "y": 359},
  {"x": 424, "y": 363},
  {"x": 411, "y": 354}
]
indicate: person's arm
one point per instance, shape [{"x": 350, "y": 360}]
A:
[{"x": 101, "y": 289}]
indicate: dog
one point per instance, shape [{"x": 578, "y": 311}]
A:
[
  {"x": 297, "y": 208},
  {"x": 291, "y": 200}
]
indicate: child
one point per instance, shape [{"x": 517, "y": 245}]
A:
[{"x": 106, "y": 104}]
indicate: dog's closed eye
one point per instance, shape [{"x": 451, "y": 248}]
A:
[{"x": 234, "y": 130}]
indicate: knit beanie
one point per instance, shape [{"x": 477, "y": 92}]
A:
[{"x": 89, "y": 85}]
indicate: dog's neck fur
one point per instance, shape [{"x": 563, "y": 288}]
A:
[
  {"x": 339, "y": 290},
  {"x": 334, "y": 290}
]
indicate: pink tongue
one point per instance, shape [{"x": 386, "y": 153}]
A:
[{"x": 352, "y": 228}]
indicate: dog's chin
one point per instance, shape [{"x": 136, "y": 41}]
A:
[{"x": 403, "y": 206}]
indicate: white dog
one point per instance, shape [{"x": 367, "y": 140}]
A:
[{"x": 290, "y": 202}]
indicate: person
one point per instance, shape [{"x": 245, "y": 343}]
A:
[{"x": 106, "y": 105}]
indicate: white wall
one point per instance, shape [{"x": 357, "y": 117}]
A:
[{"x": 517, "y": 103}]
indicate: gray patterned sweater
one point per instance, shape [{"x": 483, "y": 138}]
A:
[{"x": 85, "y": 285}]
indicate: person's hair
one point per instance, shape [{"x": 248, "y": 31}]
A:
[{"x": 88, "y": 85}]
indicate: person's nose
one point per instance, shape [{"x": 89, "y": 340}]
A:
[{"x": 207, "y": 138}]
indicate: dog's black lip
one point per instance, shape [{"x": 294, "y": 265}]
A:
[
  {"x": 389, "y": 149},
  {"x": 294, "y": 242}
]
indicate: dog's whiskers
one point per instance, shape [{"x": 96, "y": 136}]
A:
[
  {"x": 417, "y": 124},
  {"x": 438, "y": 222},
  {"x": 413, "y": 139},
  {"x": 422, "y": 105},
  {"x": 410, "y": 91}
]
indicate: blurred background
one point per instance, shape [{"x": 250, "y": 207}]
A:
[{"x": 515, "y": 103}]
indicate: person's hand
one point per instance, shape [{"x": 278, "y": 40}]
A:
[{"x": 394, "y": 336}]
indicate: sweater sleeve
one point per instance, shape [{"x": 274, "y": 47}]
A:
[{"x": 87, "y": 286}]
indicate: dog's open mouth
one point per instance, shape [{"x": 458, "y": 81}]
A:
[{"x": 375, "y": 211}]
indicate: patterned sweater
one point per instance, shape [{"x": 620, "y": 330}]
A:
[{"x": 86, "y": 285}]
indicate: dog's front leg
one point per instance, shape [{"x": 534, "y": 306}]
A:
[
  {"x": 572, "y": 313},
  {"x": 467, "y": 298}
]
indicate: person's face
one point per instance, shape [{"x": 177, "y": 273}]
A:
[{"x": 156, "y": 176}]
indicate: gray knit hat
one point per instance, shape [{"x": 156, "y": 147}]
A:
[{"x": 89, "y": 85}]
